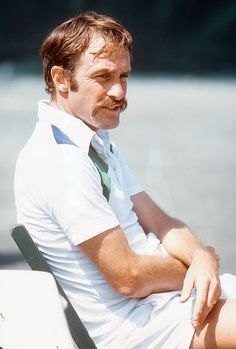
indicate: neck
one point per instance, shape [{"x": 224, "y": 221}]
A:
[{"x": 59, "y": 105}]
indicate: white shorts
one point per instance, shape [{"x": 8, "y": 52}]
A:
[{"x": 161, "y": 321}]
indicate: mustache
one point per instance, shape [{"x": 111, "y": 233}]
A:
[{"x": 111, "y": 103}]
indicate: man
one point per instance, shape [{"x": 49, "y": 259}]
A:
[{"x": 98, "y": 229}]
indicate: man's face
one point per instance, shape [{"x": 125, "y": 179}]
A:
[{"x": 101, "y": 86}]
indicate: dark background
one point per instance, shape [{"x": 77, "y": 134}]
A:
[{"x": 170, "y": 36}]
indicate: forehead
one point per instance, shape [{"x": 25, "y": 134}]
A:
[{"x": 115, "y": 58}]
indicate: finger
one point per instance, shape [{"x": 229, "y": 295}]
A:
[
  {"x": 213, "y": 295},
  {"x": 187, "y": 289},
  {"x": 214, "y": 292},
  {"x": 201, "y": 299}
]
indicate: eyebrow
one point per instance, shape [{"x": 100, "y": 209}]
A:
[{"x": 111, "y": 71}]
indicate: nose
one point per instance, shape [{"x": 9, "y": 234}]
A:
[{"x": 117, "y": 90}]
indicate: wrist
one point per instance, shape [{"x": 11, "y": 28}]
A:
[
  {"x": 199, "y": 252},
  {"x": 206, "y": 254}
]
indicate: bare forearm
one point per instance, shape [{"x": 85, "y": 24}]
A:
[
  {"x": 180, "y": 241},
  {"x": 202, "y": 261},
  {"x": 153, "y": 274},
  {"x": 177, "y": 238},
  {"x": 129, "y": 273}
]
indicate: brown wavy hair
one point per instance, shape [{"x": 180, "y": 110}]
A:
[{"x": 65, "y": 44}]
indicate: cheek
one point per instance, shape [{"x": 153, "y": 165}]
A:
[
  {"x": 82, "y": 105},
  {"x": 86, "y": 98},
  {"x": 125, "y": 87},
  {"x": 95, "y": 90}
]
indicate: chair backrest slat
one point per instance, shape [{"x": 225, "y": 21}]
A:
[{"x": 36, "y": 261}]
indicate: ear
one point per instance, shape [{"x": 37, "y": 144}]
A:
[{"x": 60, "y": 79}]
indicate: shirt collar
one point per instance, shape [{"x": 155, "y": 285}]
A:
[{"x": 74, "y": 128}]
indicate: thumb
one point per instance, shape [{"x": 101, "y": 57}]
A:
[{"x": 187, "y": 289}]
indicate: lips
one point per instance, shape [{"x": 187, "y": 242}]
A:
[{"x": 113, "y": 108}]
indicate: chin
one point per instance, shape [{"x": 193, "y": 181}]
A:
[
  {"x": 108, "y": 123},
  {"x": 110, "y": 127},
  {"x": 113, "y": 124}
]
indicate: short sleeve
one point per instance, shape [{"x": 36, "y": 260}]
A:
[{"x": 77, "y": 203}]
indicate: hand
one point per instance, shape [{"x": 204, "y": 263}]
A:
[{"x": 203, "y": 276}]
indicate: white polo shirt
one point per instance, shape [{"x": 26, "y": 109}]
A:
[{"x": 59, "y": 199}]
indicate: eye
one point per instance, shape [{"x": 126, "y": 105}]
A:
[
  {"x": 105, "y": 76},
  {"x": 124, "y": 76}
]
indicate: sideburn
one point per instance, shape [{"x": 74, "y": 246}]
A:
[{"x": 73, "y": 83}]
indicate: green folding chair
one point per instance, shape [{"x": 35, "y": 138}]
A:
[{"x": 37, "y": 262}]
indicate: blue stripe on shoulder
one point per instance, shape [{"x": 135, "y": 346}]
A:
[{"x": 61, "y": 137}]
